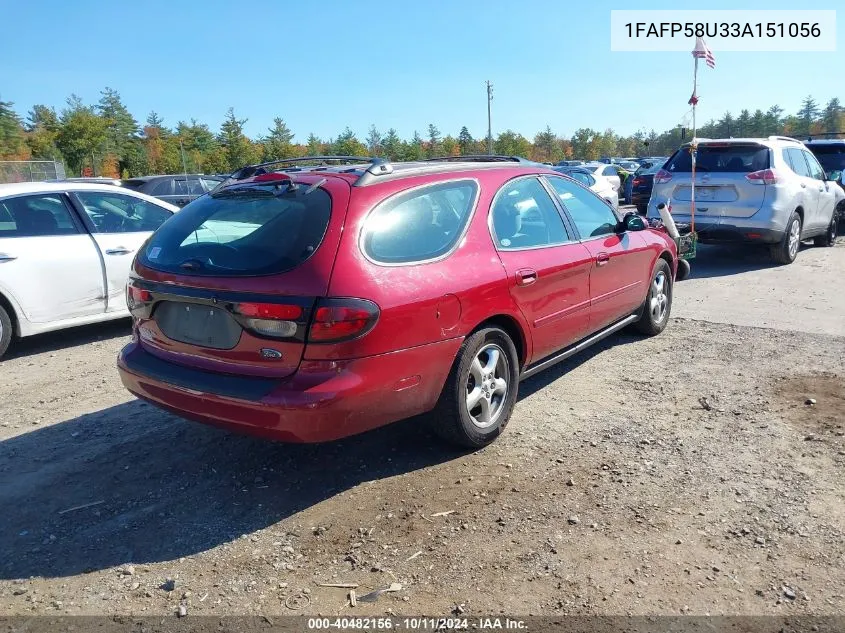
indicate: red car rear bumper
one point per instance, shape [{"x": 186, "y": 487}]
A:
[{"x": 322, "y": 401}]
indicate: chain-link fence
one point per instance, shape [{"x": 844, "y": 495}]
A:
[{"x": 30, "y": 170}]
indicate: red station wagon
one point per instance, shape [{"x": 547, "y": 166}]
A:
[{"x": 317, "y": 302}]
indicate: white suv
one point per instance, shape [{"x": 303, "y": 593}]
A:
[{"x": 769, "y": 191}]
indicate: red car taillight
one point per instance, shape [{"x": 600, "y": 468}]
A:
[
  {"x": 271, "y": 319},
  {"x": 638, "y": 181},
  {"x": 763, "y": 177},
  {"x": 337, "y": 320},
  {"x": 662, "y": 177}
]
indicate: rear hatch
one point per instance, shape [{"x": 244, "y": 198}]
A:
[
  {"x": 231, "y": 282},
  {"x": 726, "y": 182}
]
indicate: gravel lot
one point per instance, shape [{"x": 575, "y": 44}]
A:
[{"x": 680, "y": 474}]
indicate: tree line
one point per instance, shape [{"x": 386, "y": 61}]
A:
[{"x": 106, "y": 139}]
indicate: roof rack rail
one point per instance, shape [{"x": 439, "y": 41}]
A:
[
  {"x": 778, "y": 137},
  {"x": 477, "y": 158},
  {"x": 810, "y": 136},
  {"x": 377, "y": 165}
]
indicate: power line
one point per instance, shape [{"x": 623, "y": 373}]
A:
[{"x": 489, "y": 118}]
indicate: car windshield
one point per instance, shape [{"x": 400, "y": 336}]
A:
[
  {"x": 832, "y": 157},
  {"x": 242, "y": 230},
  {"x": 722, "y": 157}
]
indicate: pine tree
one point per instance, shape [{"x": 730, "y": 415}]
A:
[
  {"x": 314, "y": 146},
  {"x": 465, "y": 141},
  {"x": 347, "y": 144},
  {"x": 433, "y": 150},
  {"x": 237, "y": 148},
  {"x": 12, "y": 143},
  {"x": 121, "y": 127},
  {"x": 774, "y": 121},
  {"x": 278, "y": 143},
  {"x": 830, "y": 116},
  {"x": 374, "y": 141},
  {"x": 544, "y": 142},
  {"x": 42, "y": 128},
  {"x": 807, "y": 115},
  {"x": 414, "y": 149},
  {"x": 392, "y": 145}
]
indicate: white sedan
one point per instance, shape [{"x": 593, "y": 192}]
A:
[
  {"x": 609, "y": 172},
  {"x": 599, "y": 185},
  {"x": 65, "y": 253}
]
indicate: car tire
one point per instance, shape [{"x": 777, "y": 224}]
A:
[
  {"x": 785, "y": 251},
  {"x": 5, "y": 331},
  {"x": 471, "y": 390},
  {"x": 658, "y": 303},
  {"x": 829, "y": 237}
]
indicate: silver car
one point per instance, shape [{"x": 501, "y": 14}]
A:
[{"x": 761, "y": 190}]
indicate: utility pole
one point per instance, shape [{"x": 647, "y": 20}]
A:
[{"x": 489, "y": 119}]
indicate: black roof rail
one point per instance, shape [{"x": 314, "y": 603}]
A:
[
  {"x": 810, "y": 137},
  {"x": 478, "y": 158},
  {"x": 261, "y": 168}
]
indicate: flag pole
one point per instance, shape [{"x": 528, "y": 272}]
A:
[{"x": 693, "y": 146}]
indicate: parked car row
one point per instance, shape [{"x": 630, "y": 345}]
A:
[
  {"x": 597, "y": 183},
  {"x": 178, "y": 189}
]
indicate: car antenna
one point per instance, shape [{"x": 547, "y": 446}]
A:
[{"x": 184, "y": 166}]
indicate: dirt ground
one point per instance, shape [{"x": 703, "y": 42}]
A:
[{"x": 699, "y": 472}]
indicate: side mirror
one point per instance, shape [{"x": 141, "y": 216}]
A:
[
  {"x": 632, "y": 221},
  {"x": 835, "y": 176}
]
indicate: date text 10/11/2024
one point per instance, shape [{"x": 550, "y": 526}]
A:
[{"x": 415, "y": 623}]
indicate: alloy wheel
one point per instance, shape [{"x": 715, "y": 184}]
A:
[
  {"x": 659, "y": 301},
  {"x": 794, "y": 237},
  {"x": 487, "y": 385}
]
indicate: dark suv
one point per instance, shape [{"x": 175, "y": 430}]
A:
[
  {"x": 314, "y": 302},
  {"x": 175, "y": 189}
]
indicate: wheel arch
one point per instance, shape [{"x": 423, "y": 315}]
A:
[
  {"x": 513, "y": 329},
  {"x": 6, "y": 303}
]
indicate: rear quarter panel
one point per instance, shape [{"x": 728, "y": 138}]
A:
[{"x": 429, "y": 302}]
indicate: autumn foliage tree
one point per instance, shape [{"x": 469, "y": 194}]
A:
[{"x": 106, "y": 139}]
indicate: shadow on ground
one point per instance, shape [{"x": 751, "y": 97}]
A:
[
  {"x": 725, "y": 260},
  {"x": 70, "y": 337},
  {"x": 722, "y": 260},
  {"x": 166, "y": 488}
]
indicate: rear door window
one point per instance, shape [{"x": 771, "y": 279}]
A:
[
  {"x": 816, "y": 171},
  {"x": 722, "y": 158},
  {"x": 161, "y": 187},
  {"x": 119, "y": 213},
  {"x": 591, "y": 215},
  {"x": 796, "y": 159},
  {"x": 420, "y": 224},
  {"x": 524, "y": 216},
  {"x": 189, "y": 187},
  {"x": 243, "y": 230},
  {"x": 36, "y": 216}
]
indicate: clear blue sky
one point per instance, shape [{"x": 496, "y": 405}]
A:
[{"x": 325, "y": 65}]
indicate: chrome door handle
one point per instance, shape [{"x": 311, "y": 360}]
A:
[
  {"x": 602, "y": 259},
  {"x": 803, "y": 185},
  {"x": 120, "y": 250},
  {"x": 5, "y": 257}
]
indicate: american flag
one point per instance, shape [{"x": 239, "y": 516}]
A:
[{"x": 702, "y": 52}]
